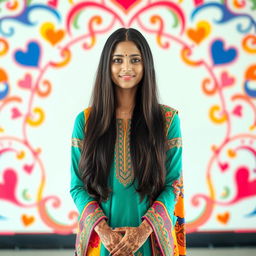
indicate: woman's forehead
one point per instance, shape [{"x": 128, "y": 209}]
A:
[{"x": 126, "y": 47}]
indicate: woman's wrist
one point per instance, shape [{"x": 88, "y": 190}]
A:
[
  {"x": 102, "y": 225},
  {"x": 145, "y": 226}
]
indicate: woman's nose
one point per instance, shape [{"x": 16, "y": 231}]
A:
[{"x": 126, "y": 65}]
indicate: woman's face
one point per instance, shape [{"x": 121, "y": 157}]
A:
[{"x": 126, "y": 65}]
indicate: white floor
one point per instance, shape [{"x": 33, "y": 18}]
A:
[{"x": 190, "y": 252}]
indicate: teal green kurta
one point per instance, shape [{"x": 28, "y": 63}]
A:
[{"x": 123, "y": 208}]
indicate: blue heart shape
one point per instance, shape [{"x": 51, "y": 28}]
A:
[
  {"x": 30, "y": 57},
  {"x": 220, "y": 55}
]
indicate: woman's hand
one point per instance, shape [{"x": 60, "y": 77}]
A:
[
  {"x": 108, "y": 237},
  {"x": 133, "y": 239}
]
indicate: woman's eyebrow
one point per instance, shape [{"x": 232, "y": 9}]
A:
[{"x": 121, "y": 55}]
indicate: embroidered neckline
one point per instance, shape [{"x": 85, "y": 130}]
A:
[{"x": 123, "y": 164}]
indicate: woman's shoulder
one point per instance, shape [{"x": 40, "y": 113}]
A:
[
  {"x": 169, "y": 113},
  {"x": 80, "y": 120},
  {"x": 86, "y": 112},
  {"x": 82, "y": 116}
]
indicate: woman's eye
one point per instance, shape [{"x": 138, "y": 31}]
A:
[
  {"x": 135, "y": 60},
  {"x": 117, "y": 60}
]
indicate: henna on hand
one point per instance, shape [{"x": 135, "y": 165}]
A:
[
  {"x": 146, "y": 227},
  {"x": 133, "y": 239},
  {"x": 108, "y": 237}
]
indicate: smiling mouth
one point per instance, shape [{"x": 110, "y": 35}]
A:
[{"x": 127, "y": 77}]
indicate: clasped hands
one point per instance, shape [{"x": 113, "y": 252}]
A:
[{"x": 118, "y": 245}]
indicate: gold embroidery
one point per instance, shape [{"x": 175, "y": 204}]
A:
[
  {"x": 124, "y": 172},
  {"x": 175, "y": 142},
  {"x": 77, "y": 142}
]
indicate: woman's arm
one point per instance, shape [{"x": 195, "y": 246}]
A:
[{"x": 90, "y": 213}]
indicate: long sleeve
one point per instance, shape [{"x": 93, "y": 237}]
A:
[
  {"x": 166, "y": 215},
  {"x": 90, "y": 213}
]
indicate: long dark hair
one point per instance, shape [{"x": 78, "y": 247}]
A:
[{"x": 147, "y": 138}]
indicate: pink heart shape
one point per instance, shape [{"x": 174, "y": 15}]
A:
[
  {"x": 126, "y": 3},
  {"x": 226, "y": 80},
  {"x": 237, "y": 110},
  {"x": 223, "y": 166},
  {"x": 53, "y": 3},
  {"x": 28, "y": 168},
  {"x": 245, "y": 186},
  {"x": 15, "y": 113},
  {"x": 26, "y": 82},
  {"x": 7, "y": 188}
]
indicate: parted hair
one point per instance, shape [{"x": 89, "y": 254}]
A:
[{"x": 147, "y": 137}]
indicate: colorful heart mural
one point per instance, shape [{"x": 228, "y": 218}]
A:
[{"x": 40, "y": 39}]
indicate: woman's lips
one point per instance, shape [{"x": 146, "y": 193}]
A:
[{"x": 127, "y": 77}]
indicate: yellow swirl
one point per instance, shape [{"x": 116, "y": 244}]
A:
[
  {"x": 214, "y": 118},
  {"x": 39, "y": 120}
]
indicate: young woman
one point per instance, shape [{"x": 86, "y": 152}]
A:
[{"x": 126, "y": 171}]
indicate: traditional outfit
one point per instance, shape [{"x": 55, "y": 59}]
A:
[{"x": 123, "y": 208}]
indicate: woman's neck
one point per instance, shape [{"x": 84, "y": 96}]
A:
[{"x": 125, "y": 103}]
